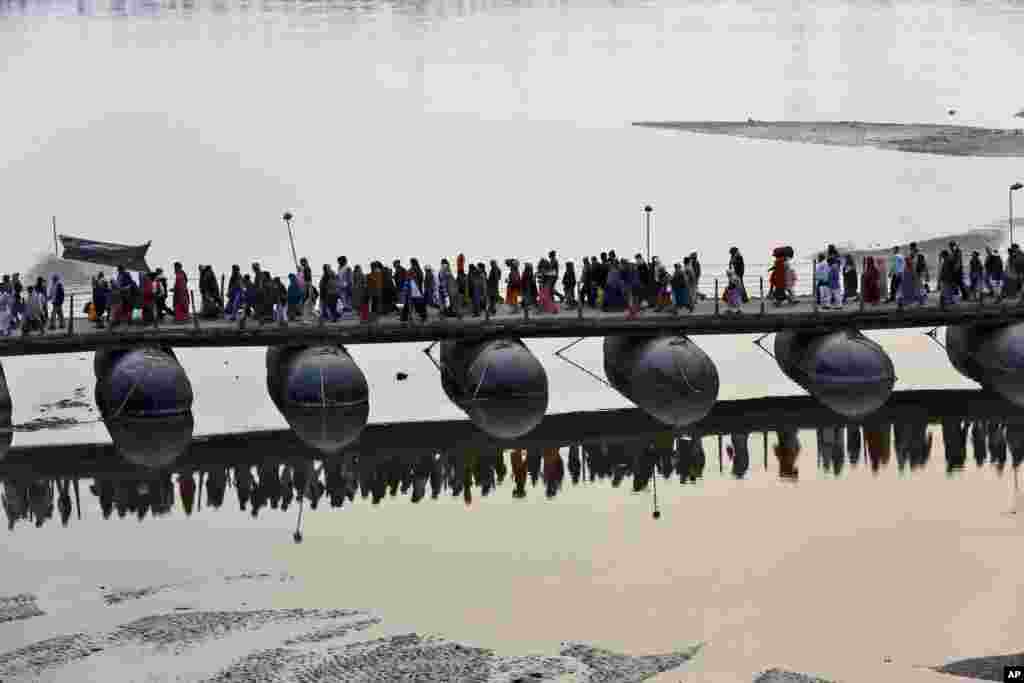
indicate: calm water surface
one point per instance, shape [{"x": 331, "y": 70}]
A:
[{"x": 502, "y": 129}]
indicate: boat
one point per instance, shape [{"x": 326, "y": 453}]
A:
[{"x": 106, "y": 253}]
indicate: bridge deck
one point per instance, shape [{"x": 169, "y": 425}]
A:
[{"x": 567, "y": 323}]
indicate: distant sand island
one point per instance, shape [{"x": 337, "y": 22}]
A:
[{"x": 921, "y": 138}]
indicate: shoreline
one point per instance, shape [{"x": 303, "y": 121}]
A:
[{"x": 919, "y": 138}]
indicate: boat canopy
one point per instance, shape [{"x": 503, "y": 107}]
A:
[{"x": 106, "y": 253}]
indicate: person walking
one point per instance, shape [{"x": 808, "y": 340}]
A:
[
  {"x": 328, "y": 295},
  {"x": 529, "y": 281},
  {"x": 361, "y": 294},
  {"x": 910, "y": 291},
  {"x": 493, "y": 287},
  {"x": 947, "y": 278},
  {"x": 308, "y": 290},
  {"x": 294, "y": 298},
  {"x": 477, "y": 288},
  {"x": 977, "y": 274},
  {"x": 149, "y": 298},
  {"x": 849, "y": 279},
  {"x": 821, "y": 280},
  {"x": 234, "y": 293},
  {"x": 57, "y": 302},
  {"x": 739, "y": 267},
  {"x": 679, "y": 284},
  {"x": 733, "y": 297},
  {"x": 375, "y": 289},
  {"x": 587, "y": 282},
  {"x": 923, "y": 277},
  {"x": 344, "y": 286},
  {"x": 993, "y": 272},
  {"x": 514, "y": 284},
  {"x": 6, "y": 303},
  {"x": 895, "y": 267},
  {"x": 35, "y": 302},
  {"x": 569, "y": 285},
  {"x": 871, "y": 287},
  {"x": 161, "y": 292},
  {"x": 430, "y": 288},
  {"x": 835, "y": 278},
  {"x": 180, "y": 294},
  {"x": 450, "y": 291},
  {"x": 553, "y": 270},
  {"x": 695, "y": 293},
  {"x": 412, "y": 298}
]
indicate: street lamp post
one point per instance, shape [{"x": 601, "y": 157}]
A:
[
  {"x": 1013, "y": 188},
  {"x": 287, "y": 217},
  {"x": 647, "y": 212}
]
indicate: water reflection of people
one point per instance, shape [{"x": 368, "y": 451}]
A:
[
  {"x": 830, "y": 448},
  {"x": 691, "y": 458},
  {"x": 787, "y": 452},
  {"x": 243, "y": 485},
  {"x": 663, "y": 444},
  {"x": 644, "y": 460},
  {"x": 64, "y": 500},
  {"x": 15, "y": 502},
  {"x": 533, "y": 461},
  {"x": 187, "y": 491},
  {"x": 739, "y": 454},
  {"x": 913, "y": 443},
  {"x": 269, "y": 483},
  {"x": 1015, "y": 442},
  {"x": 853, "y": 443},
  {"x": 553, "y": 472},
  {"x": 216, "y": 484},
  {"x": 519, "y": 473},
  {"x": 954, "y": 438},
  {"x": 878, "y": 437},
  {"x": 997, "y": 445},
  {"x": 979, "y": 435},
  {"x": 575, "y": 464}
]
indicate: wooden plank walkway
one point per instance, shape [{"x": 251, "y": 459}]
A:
[
  {"x": 754, "y": 319},
  {"x": 622, "y": 426}
]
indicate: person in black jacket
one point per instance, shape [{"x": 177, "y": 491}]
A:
[
  {"x": 493, "y": 287},
  {"x": 740, "y": 268},
  {"x": 553, "y": 269},
  {"x": 993, "y": 271}
]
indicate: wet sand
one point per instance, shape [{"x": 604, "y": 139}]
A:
[
  {"x": 312, "y": 644},
  {"x": 903, "y": 137},
  {"x": 983, "y": 668}
]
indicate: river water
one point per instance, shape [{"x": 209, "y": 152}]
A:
[{"x": 398, "y": 129}]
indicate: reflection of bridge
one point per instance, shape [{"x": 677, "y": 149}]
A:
[
  {"x": 609, "y": 427},
  {"x": 274, "y": 469},
  {"x": 758, "y": 317}
]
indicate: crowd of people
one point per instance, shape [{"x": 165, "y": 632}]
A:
[
  {"x": 606, "y": 282},
  {"x": 903, "y": 277},
  {"x": 32, "y": 308}
]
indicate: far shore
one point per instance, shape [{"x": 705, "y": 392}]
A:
[{"x": 923, "y": 138}]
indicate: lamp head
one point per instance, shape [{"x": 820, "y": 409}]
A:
[
  {"x": 648, "y": 208},
  {"x": 287, "y": 216},
  {"x": 1016, "y": 186}
]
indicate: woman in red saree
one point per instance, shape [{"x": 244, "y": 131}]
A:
[
  {"x": 180, "y": 294},
  {"x": 871, "y": 287}
]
